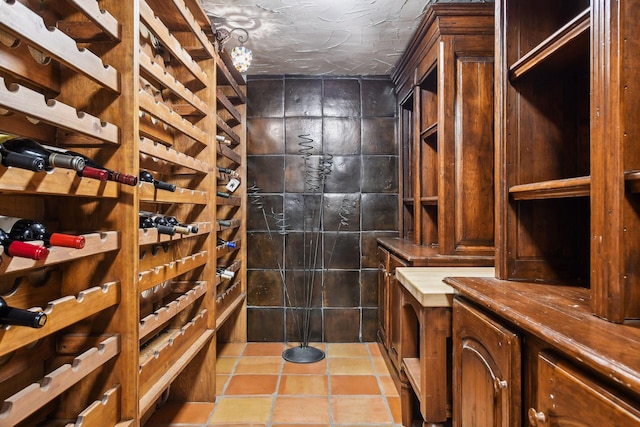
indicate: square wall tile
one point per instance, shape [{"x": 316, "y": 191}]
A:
[
  {"x": 341, "y": 288},
  {"x": 265, "y": 136},
  {"x": 265, "y": 324},
  {"x": 341, "y": 136},
  {"x": 378, "y": 98},
  {"x": 265, "y": 98},
  {"x": 382, "y": 211},
  {"x": 303, "y": 97},
  {"x": 342, "y": 325},
  {"x": 303, "y": 135},
  {"x": 379, "y": 136},
  {"x": 380, "y": 174},
  {"x": 341, "y": 98},
  {"x": 266, "y": 172},
  {"x": 264, "y": 288}
]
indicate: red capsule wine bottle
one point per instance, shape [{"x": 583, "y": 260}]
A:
[
  {"x": 17, "y": 160},
  {"x": 21, "y": 249},
  {"x": 150, "y": 221},
  {"x": 29, "y": 147},
  {"x": 161, "y": 185},
  {"x": 26, "y": 230},
  {"x": 18, "y": 316},
  {"x": 95, "y": 170}
]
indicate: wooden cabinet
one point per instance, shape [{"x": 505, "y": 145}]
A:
[
  {"x": 576, "y": 368},
  {"x": 486, "y": 374},
  {"x": 567, "y": 396},
  {"x": 445, "y": 90},
  {"x": 389, "y": 298},
  {"x": 566, "y": 112},
  {"x": 132, "y": 316}
]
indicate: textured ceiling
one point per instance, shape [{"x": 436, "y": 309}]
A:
[{"x": 320, "y": 37}]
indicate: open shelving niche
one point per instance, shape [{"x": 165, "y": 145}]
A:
[{"x": 131, "y": 321}]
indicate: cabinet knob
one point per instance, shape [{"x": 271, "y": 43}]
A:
[
  {"x": 499, "y": 384},
  {"x": 536, "y": 417}
]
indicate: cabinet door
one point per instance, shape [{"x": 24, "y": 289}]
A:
[
  {"x": 395, "y": 308},
  {"x": 566, "y": 397},
  {"x": 486, "y": 371},
  {"x": 383, "y": 296}
]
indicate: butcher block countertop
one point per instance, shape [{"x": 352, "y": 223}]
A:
[{"x": 427, "y": 286}]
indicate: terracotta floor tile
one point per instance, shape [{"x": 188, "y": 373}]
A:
[
  {"x": 242, "y": 410},
  {"x": 230, "y": 349},
  {"x": 259, "y": 365},
  {"x": 315, "y": 368},
  {"x": 221, "y": 381},
  {"x": 380, "y": 366},
  {"x": 225, "y": 365},
  {"x": 388, "y": 386},
  {"x": 264, "y": 349},
  {"x": 374, "y": 349},
  {"x": 301, "y": 385},
  {"x": 251, "y": 384},
  {"x": 350, "y": 366},
  {"x": 396, "y": 409},
  {"x": 182, "y": 413},
  {"x": 354, "y": 384},
  {"x": 347, "y": 350},
  {"x": 306, "y": 410},
  {"x": 360, "y": 410}
]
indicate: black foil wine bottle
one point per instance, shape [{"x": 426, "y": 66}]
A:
[
  {"x": 18, "y": 316},
  {"x": 17, "y": 160},
  {"x": 155, "y": 221},
  {"x": 161, "y": 185},
  {"x": 29, "y": 147}
]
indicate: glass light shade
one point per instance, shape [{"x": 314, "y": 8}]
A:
[{"x": 241, "y": 57}]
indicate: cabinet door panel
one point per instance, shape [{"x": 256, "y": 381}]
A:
[
  {"x": 383, "y": 297},
  {"x": 567, "y": 398},
  {"x": 395, "y": 305},
  {"x": 486, "y": 371}
]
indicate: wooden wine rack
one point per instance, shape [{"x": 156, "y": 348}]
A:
[{"x": 134, "y": 316}]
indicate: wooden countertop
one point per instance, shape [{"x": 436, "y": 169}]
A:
[
  {"x": 561, "y": 317},
  {"x": 423, "y": 256},
  {"x": 427, "y": 286}
]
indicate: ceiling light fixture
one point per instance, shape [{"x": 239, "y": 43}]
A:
[{"x": 240, "y": 55}]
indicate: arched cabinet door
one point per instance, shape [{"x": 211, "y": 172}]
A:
[
  {"x": 486, "y": 371},
  {"x": 567, "y": 397}
]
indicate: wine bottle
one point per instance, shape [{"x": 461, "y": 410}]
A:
[
  {"x": 26, "y": 230},
  {"x": 29, "y": 147},
  {"x": 173, "y": 221},
  {"x": 18, "y": 316},
  {"x": 223, "y": 194},
  {"x": 228, "y": 171},
  {"x": 95, "y": 170},
  {"x": 17, "y": 160},
  {"x": 21, "y": 249},
  {"x": 224, "y": 222},
  {"x": 228, "y": 244},
  {"x": 161, "y": 185},
  {"x": 147, "y": 221},
  {"x": 223, "y": 140},
  {"x": 224, "y": 273}
]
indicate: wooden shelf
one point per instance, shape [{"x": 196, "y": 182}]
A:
[
  {"x": 154, "y": 24},
  {"x": 168, "y": 116},
  {"x": 560, "y": 188},
  {"x": 28, "y": 400},
  {"x": 32, "y": 104},
  {"x": 163, "y": 315},
  {"x": 171, "y": 270},
  {"x": 227, "y": 303},
  {"x": 224, "y": 127},
  {"x": 235, "y": 223},
  {"x": 559, "y": 46},
  {"x": 152, "y": 70},
  {"x": 178, "y": 17},
  {"x": 222, "y": 250},
  {"x": 234, "y": 118},
  {"x": 102, "y": 412},
  {"x": 102, "y": 18},
  {"x": 632, "y": 179},
  {"x": 429, "y": 201},
  {"x": 95, "y": 243},
  {"x": 429, "y": 131},
  {"x": 29, "y": 27},
  {"x": 229, "y": 76},
  {"x": 227, "y": 152},
  {"x": 228, "y": 201},
  {"x": 412, "y": 369},
  {"x": 60, "y": 182},
  {"x": 161, "y": 153},
  {"x": 148, "y": 193},
  {"x": 168, "y": 355}
]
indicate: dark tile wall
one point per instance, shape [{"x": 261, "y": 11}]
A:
[{"x": 352, "y": 120}]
